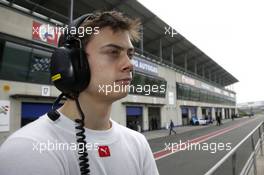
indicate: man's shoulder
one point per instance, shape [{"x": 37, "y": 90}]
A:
[
  {"x": 38, "y": 129},
  {"x": 27, "y": 149}
]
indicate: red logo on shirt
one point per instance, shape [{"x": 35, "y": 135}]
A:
[{"x": 104, "y": 151}]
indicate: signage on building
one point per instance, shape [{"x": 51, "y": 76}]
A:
[
  {"x": 154, "y": 100},
  {"x": 145, "y": 66},
  {"x": 226, "y": 93},
  {"x": 45, "y": 33},
  {"x": 205, "y": 86},
  {"x": 171, "y": 98},
  {"x": 134, "y": 98},
  {"x": 217, "y": 90},
  {"x": 45, "y": 90},
  {"x": 188, "y": 80},
  {"x": 4, "y": 115}
]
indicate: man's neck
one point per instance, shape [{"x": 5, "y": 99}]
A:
[{"x": 96, "y": 112}]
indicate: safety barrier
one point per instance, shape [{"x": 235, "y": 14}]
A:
[{"x": 254, "y": 142}]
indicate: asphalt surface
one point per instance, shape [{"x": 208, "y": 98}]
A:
[{"x": 198, "y": 160}]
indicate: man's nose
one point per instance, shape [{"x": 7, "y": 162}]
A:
[{"x": 128, "y": 65}]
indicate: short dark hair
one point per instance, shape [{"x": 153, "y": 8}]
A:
[{"x": 115, "y": 20}]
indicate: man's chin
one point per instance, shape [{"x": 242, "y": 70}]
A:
[{"x": 117, "y": 96}]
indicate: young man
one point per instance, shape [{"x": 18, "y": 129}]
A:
[{"x": 47, "y": 147}]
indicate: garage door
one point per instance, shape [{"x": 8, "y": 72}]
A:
[
  {"x": 133, "y": 111},
  {"x": 32, "y": 111}
]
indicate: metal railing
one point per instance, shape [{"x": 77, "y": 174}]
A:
[{"x": 231, "y": 159}]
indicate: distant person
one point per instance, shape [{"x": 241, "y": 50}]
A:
[
  {"x": 233, "y": 116},
  {"x": 218, "y": 120},
  {"x": 152, "y": 124},
  {"x": 171, "y": 126},
  {"x": 138, "y": 127},
  {"x": 155, "y": 123},
  {"x": 211, "y": 119}
]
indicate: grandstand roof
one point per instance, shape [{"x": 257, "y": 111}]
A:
[{"x": 154, "y": 32}]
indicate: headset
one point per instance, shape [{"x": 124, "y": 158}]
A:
[
  {"x": 69, "y": 67},
  {"x": 70, "y": 73}
]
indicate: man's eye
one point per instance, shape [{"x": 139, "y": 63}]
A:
[
  {"x": 115, "y": 52},
  {"x": 130, "y": 55}
]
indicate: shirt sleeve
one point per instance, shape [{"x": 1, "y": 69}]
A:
[
  {"x": 22, "y": 156},
  {"x": 150, "y": 166}
]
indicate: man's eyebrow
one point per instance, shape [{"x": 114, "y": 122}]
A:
[{"x": 119, "y": 47}]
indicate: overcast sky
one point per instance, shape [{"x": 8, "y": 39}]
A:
[{"x": 231, "y": 32}]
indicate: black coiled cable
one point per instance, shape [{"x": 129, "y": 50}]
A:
[
  {"x": 53, "y": 114},
  {"x": 83, "y": 155}
]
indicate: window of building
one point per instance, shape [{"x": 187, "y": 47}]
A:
[
  {"x": 22, "y": 63},
  {"x": 156, "y": 87},
  {"x": 187, "y": 92}
]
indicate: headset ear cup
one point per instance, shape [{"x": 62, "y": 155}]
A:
[
  {"x": 61, "y": 69},
  {"x": 70, "y": 70},
  {"x": 81, "y": 68}
]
